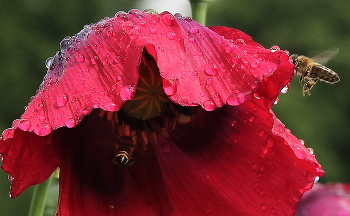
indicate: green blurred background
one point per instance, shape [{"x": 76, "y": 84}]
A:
[{"x": 30, "y": 32}]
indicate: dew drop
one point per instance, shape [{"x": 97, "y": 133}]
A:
[
  {"x": 209, "y": 81},
  {"x": 70, "y": 123},
  {"x": 11, "y": 178},
  {"x": 171, "y": 35},
  {"x": 234, "y": 122},
  {"x": 192, "y": 40},
  {"x": 255, "y": 64},
  {"x": 66, "y": 42},
  {"x": 80, "y": 58},
  {"x": 202, "y": 94},
  {"x": 8, "y": 133},
  {"x": 285, "y": 89},
  {"x": 269, "y": 142},
  {"x": 239, "y": 41},
  {"x": 194, "y": 30},
  {"x": 209, "y": 105},
  {"x": 263, "y": 207},
  {"x": 122, "y": 15},
  {"x": 300, "y": 153},
  {"x": 49, "y": 62},
  {"x": 42, "y": 129},
  {"x": 276, "y": 101},
  {"x": 252, "y": 118},
  {"x": 150, "y": 11},
  {"x": 211, "y": 70},
  {"x": 230, "y": 47},
  {"x": 111, "y": 106},
  {"x": 40, "y": 107},
  {"x": 169, "y": 87},
  {"x": 24, "y": 125},
  {"x": 311, "y": 150},
  {"x": 316, "y": 179},
  {"x": 62, "y": 100},
  {"x": 237, "y": 98},
  {"x": 127, "y": 92},
  {"x": 168, "y": 19},
  {"x": 94, "y": 60},
  {"x": 274, "y": 48},
  {"x": 42, "y": 118}
]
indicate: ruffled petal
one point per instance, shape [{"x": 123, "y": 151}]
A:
[
  {"x": 236, "y": 165},
  {"x": 98, "y": 68},
  {"x": 90, "y": 184},
  {"x": 28, "y": 158}
]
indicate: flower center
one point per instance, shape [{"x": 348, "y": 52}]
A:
[{"x": 146, "y": 116}]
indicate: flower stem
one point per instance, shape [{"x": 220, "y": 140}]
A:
[
  {"x": 37, "y": 205},
  {"x": 199, "y": 10}
]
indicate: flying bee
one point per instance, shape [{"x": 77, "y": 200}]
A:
[
  {"x": 123, "y": 151},
  {"x": 311, "y": 70}
]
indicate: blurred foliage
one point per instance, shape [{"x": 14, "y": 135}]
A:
[{"x": 32, "y": 29}]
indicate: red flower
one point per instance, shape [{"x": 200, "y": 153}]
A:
[
  {"x": 187, "y": 104},
  {"x": 325, "y": 200}
]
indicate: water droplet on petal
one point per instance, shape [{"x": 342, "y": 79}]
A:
[
  {"x": 239, "y": 41},
  {"x": 127, "y": 92},
  {"x": 255, "y": 64},
  {"x": 94, "y": 60},
  {"x": 80, "y": 58},
  {"x": 111, "y": 106},
  {"x": 24, "y": 125},
  {"x": 237, "y": 98},
  {"x": 230, "y": 47},
  {"x": 274, "y": 48},
  {"x": 209, "y": 105},
  {"x": 211, "y": 70},
  {"x": 150, "y": 11},
  {"x": 168, "y": 19},
  {"x": 263, "y": 207},
  {"x": 194, "y": 30},
  {"x": 209, "y": 81},
  {"x": 42, "y": 129},
  {"x": 252, "y": 118},
  {"x": 66, "y": 42},
  {"x": 40, "y": 107},
  {"x": 234, "y": 122},
  {"x": 269, "y": 142},
  {"x": 316, "y": 179},
  {"x": 276, "y": 101},
  {"x": 49, "y": 62},
  {"x": 62, "y": 100},
  {"x": 11, "y": 178},
  {"x": 285, "y": 89},
  {"x": 169, "y": 87},
  {"x": 311, "y": 150},
  {"x": 8, "y": 133},
  {"x": 70, "y": 123},
  {"x": 171, "y": 35}
]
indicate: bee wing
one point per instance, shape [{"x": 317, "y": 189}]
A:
[{"x": 325, "y": 56}]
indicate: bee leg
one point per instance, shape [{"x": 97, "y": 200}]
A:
[{"x": 308, "y": 86}]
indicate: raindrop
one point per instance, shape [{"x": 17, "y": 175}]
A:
[
  {"x": 122, "y": 15},
  {"x": 94, "y": 60},
  {"x": 150, "y": 11},
  {"x": 237, "y": 98},
  {"x": 234, "y": 122},
  {"x": 285, "y": 89},
  {"x": 202, "y": 94},
  {"x": 263, "y": 207},
  {"x": 42, "y": 118},
  {"x": 24, "y": 125},
  {"x": 211, "y": 70},
  {"x": 42, "y": 129},
  {"x": 255, "y": 64},
  {"x": 209, "y": 105},
  {"x": 66, "y": 42},
  {"x": 8, "y": 133},
  {"x": 70, "y": 123},
  {"x": 171, "y": 35},
  {"x": 169, "y": 87},
  {"x": 135, "y": 12},
  {"x": 239, "y": 41},
  {"x": 49, "y": 62},
  {"x": 274, "y": 48},
  {"x": 127, "y": 92},
  {"x": 276, "y": 101},
  {"x": 316, "y": 179},
  {"x": 168, "y": 19},
  {"x": 127, "y": 25},
  {"x": 209, "y": 81},
  {"x": 40, "y": 107},
  {"x": 1, "y": 158},
  {"x": 311, "y": 150},
  {"x": 230, "y": 47},
  {"x": 192, "y": 40},
  {"x": 252, "y": 118},
  {"x": 80, "y": 58},
  {"x": 111, "y": 106},
  {"x": 194, "y": 30},
  {"x": 269, "y": 142},
  {"x": 11, "y": 178},
  {"x": 62, "y": 100}
]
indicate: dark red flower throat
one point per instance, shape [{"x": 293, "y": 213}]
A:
[{"x": 146, "y": 116}]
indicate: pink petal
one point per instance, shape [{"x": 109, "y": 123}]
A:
[
  {"x": 98, "y": 68},
  {"x": 325, "y": 200},
  {"x": 29, "y": 158},
  {"x": 236, "y": 166}
]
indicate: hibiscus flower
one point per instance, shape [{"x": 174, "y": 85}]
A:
[{"x": 155, "y": 114}]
